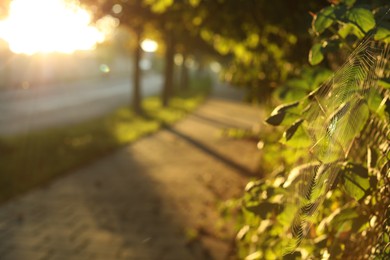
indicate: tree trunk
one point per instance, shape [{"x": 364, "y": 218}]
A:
[
  {"x": 184, "y": 83},
  {"x": 168, "y": 73},
  {"x": 137, "y": 74}
]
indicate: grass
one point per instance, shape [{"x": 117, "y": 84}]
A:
[{"x": 30, "y": 160}]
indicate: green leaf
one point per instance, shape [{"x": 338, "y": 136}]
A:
[
  {"x": 292, "y": 129},
  {"x": 253, "y": 184},
  {"x": 350, "y": 29},
  {"x": 362, "y": 18},
  {"x": 279, "y": 113},
  {"x": 298, "y": 83},
  {"x": 382, "y": 34},
  {"x": 338, "y": 222},
  {"x": 375, "y": 101},
  {"x": 285, "y": 107},
  {"x": 316, "y": 54},
  {"x": 355, "y": 180},
  {"x": 346, "y": 123},
  {"x": 320, "y": 76},
  {"x": 345, "y": 219},
  {"x": 292, "y": 94},
  {"x": 384, "y": 83},
  {"x": 287, "y": 215},
  {"x": 324, "y": 19},
  {"x": 276, "y": 119},
  {"x": 348, "y": 3},
  {"x": 297, "y": 138},
  {"x": 242, "y": 232}
]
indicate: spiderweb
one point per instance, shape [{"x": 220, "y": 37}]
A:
[{"x": 333, "y": 117}]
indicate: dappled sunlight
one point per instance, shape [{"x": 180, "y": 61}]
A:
[
  {"x": 127, "y": 132},
  {"x": 125, "y": 126}
]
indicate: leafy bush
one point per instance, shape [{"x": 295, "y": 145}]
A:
[{"x": 329, "y": 196}]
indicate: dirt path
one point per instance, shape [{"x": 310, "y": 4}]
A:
[{"x": 155, "y": 199}]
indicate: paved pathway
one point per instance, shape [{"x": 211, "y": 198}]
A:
[{"x": 155, "y": 199}]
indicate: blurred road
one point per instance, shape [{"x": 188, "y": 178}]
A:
[{"x": 44, "y": 106}]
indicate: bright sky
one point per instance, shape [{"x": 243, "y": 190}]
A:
[{"x": 48, "y": 26}]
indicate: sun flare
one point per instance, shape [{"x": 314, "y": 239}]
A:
[
  {"x": 48, "y": 26},
  {"x": 149, "y": 45}
]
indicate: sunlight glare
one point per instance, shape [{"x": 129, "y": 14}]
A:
[
  {"x": 48, "y": 26},
  {"x": 148, "y": 45}
]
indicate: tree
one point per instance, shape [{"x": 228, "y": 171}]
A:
[
  {"x": 172, "y": 21},
  {"x": 179, "y": 23},
  {"x": 136, "y": 16},
  {"x": 262, "y": 40},
  {"x": 175, "y": 21}
]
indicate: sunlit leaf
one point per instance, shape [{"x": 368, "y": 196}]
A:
[
  {"x": 346, "y": 122},
  {"x": 279, "y": 113},
  {"x": 315, "y": 54},
  {"x": 320, "y": 75},
  {"x": 382, "y": 34},
  {"x": 243, "y": 231},
  {"x": 342, "y": 221},
  {"x": 355, "y": 180},
  {"x": 361, "y": 17},
  {"x": 350, "y": 29},
  {"x": 348, "y": 3},
  {"x": 385, "y": 83},
  {"x": 292, "y": 129},
  {"x": 287, "y": 215},
  {"x": 253, "y": 184},
  {"x": 298, "y": 83},
  {"x": 254, "y": 256},
  {"x": 324, "y": 19},
  {"x": 297, "y": 136},
  {"x": 326, "y": 150},
  {"x": 375, "y": 102}
]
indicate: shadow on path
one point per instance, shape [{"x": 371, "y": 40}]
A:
[
  {"x": 235, "y": 166},
  {"x": 214, "y": 121}
]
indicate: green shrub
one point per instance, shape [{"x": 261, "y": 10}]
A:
[{"x": 329, "y": 196}]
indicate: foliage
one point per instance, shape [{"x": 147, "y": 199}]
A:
[
  {"x": 338, "y": 26},
  {"x": 259, "y": 51},
  {"x": 328, "y": 196},
  {"x": 27, "y": 161},
  {"x": 261, "y": 41}
]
